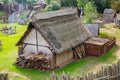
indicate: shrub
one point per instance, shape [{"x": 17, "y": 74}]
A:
[
  {"x": 90, "y": 12},
  {"x": 54, "y": 5},
  {"x": 68, "y": 3}
]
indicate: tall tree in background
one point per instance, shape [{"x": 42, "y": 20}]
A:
[
  {"x": 81, "y": 3},
  {"x": 116, "y": 5},
  {"x": 102, "y": 4},
  {"x": 90, "y": 12},
  {"x": 52, "y": 5},
  {"x": 68, "y": 3}
]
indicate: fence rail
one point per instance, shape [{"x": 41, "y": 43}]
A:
[{"x": 105, "y": 73}]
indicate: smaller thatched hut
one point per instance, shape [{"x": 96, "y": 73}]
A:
[
  {"x": 93, "y": 28},
  {"x": 109, "y": 15}
]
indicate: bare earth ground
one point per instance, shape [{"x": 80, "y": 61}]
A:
[{"x": 118, "y": 53}]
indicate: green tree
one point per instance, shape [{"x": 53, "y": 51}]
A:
[
  {"x": 53, "y": 5},
  {"x": 90, "y": 12},
  {"x": 81, "y": 3},
  {"x": 116, "y": 5},
  {"x": 102, "y": 4},
  {"x": 68, "y": 3}
]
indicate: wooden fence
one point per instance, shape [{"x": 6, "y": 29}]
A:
[
  {"x": 105, "y": 73},
  {"x": 4, "y": 76}
]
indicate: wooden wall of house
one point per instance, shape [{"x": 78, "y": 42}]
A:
[
  {"x": 64, "y": 58},
  {"x": 33, "y": 40}
]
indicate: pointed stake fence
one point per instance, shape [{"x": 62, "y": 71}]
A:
[
  {"x": 4, "y": 76},
  {"x": 105, "y": 73}
]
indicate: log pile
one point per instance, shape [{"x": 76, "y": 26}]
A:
[
  {"x": 79, "y": 51},
  {"x": 37, "y": 61}
]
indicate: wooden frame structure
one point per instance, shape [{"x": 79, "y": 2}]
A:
[
  {"x": 97, "y": 46},
  {"x": 52, "y": 40},
  {"x": 49, "y": 33}
]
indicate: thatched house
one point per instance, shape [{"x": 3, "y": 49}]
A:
[
  {"x": 55, "y": 33},
  {"x": 54, "y": 39},
  {"x": 109, "y": 15}
]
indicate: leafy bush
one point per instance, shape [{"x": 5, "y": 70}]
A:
[
  {"x": 81, "y": 3},
  {"x": 68, "y": 3},
  {"x": 54, "y": 5},
  {"x": 90, "y": 12}
]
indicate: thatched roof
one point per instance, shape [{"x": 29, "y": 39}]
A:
[
  {"x": 61, "y": 29},
  {"x": 93, "y": 28},
  {"x": 109, "y": 11}
]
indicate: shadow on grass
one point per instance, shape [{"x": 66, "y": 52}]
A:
[{"x": 83, "y": 65}]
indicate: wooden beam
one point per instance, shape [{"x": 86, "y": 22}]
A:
[
  {"x": 36, "y": 40},
  {"x": 35, "y": 45}
]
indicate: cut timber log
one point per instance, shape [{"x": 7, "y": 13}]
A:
[
  {"x": 38, "y": 61},
  {"x": 79, "y": 51}
]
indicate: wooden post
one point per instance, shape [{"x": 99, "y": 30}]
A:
[{"x": 36, "y": 41}]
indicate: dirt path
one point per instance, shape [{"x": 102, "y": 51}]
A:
[{"x": 118, "y": 53}]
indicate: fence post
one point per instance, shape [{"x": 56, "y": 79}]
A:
[
  {"x": 54, "y": 77},
  {"x": 4, "y": 76},
  {"x": 118, "y": 66},
  {"x": 64, "y": 77},
  {"x": 105, "y": 73},
  {"x": 72, "y": 78}
]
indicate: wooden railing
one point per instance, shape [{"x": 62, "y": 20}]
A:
[{"x": 105, "y": 73}]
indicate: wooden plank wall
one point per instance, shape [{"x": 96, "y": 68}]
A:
[
  {"x": 70, "y": 55},
  {"x": 111, "y": 43},
  {"x": 105, "y": 73}
]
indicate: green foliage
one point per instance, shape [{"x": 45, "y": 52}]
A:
[
  {"x": 54, "y": 5},
  {"x": 116, "y": 5},
  {"x": 48, "y": 2},
  {"x": 90, "y": 12},
  {"x": 2, "y": 13},
  {"x": 68, "y": 3},
  {"x": 81, "y": 3},
  {"x": 5, "y": 1},
  {"x": 102, "y": 4}
]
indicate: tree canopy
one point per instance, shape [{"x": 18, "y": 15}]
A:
[
  {"x": 116, "y": 5},
  {"x": 90, "y": 12},
  {"x": 100, "y": 4}
]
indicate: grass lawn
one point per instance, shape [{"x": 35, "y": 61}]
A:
[
  {"x": 9, "y": 53},
  {"x": 2, "y": 13}
]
